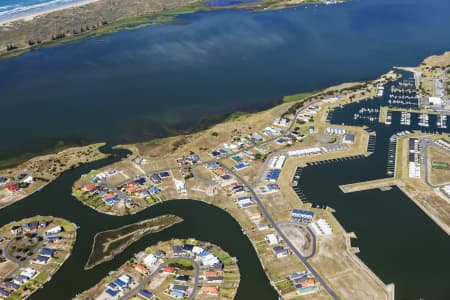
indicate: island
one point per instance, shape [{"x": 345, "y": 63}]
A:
[
  {"x": 31, "y": 251},
  {"x": 96, "y": 17},
  {"x": 180, "y": 269},
  {"x": 19, "y": 180},
  {"x": 108, "y": 244}
]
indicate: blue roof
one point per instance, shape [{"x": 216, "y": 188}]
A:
[
  {"x": 140, "y": 181},
  {"x": 176, "y": 293},
  {"x": 188, "y": 247},
  {"x": 4, "y": 292},
  {"x": 182, "y": 277},
  {"x": 112, "y": 285},
  {"x": 204, "y": 253},
  {"x": 178, "y": 287},
  {"x": 120, "y": 283},
  {"x": 146, "y": 293},
  {"x": 111, "y": 292},
  {"x": 164, "y": 174},
  {"x": 303, "y": 212},
  {"x": 177, "y": 248},
  {"x": 47, "y": 252}
]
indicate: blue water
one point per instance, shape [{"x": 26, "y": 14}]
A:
[
  {"x": 135, "y": 85},
  {"x": 16, "y": 8}
]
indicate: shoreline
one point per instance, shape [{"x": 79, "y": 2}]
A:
[
  {"x": 31, "y": 15},
  {"x": 80, "y": 20}
]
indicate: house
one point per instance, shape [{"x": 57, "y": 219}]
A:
[
  {"x": 112, "y": 293},
  {"x": 54, "y": 239},
  {"x": 155, "y": 178},
  {"x": 16, "y": 229},
  {"x": 169, "y": 270},
  {"x": 28, "y": 180},
  {"x": 42, "y": 260},
  {"x": 177, "y": 250},
  {"x": 141, "y": 268},
  {"x": 3, "y": 179},
  {"x": 146, "y": 294},
  {"x": 9, "y": 285},
  {"x": 47, "y": 252},
  {"x": 4, "y": 293},
  {"x": 280, "y": 251},
  {"x": 164, "y": 174},
  {"x": 13, "y": 187},
  {"x": 299, "y": 215},
  {"x": 54, "y": 230},
  {"x": 177, "y": 294},
  {"x": 349, "y": 139},
  {"x": 181, "y": 288},
  {"x": 30, "y": 227},
  {"x": 150, "y": 260},
  {"x": 188, "y": 247},
  {"x": 160, "y": 254},
  {"x": 209, "y": 290},
  {"x": 184, "y": 278},
  {"x": 272, "y": 239}
]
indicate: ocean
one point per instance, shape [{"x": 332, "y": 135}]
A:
[{"x": 10, "y": 9}]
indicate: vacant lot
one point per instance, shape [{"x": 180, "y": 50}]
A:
[{"x": 437, "y": 157}]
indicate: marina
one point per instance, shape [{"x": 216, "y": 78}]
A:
[
  {"x": 392, "y": 150},
  {"x": 424, "y": 120},
  {"x": 403, "y": 95},
  {"x": 371, "y": 144},
  {"x": 405, "y": 118},
  {"x": 441, "y": 122},
  {"x": 368, "y": 114}
]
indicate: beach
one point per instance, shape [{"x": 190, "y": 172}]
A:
[{"x": 39, "y": 10}]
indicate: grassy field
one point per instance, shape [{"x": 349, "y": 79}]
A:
[
  {"x": 298, "y": 97},
  {"x": 440, "y": 162}
]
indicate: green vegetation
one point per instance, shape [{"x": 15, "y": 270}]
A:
[
  {"x": 298, "y": 97},
  {"x": 182, "y": 264},
  {"x": 49, "y": 146},
  {"x": 440, "y": 165},
  {"x": 108, "y": 244}
]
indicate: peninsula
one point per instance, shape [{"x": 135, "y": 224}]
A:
[
  {"x": 183, "y": 269},
  {"x": 248, "y": 167},
  {"x": 31, "y": 251},
  {"x": 20, "y": 181}
]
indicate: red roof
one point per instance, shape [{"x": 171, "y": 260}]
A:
[
  {"x": 90, "y": 187},
  {"x": 210, "y": 274},
  {"x": 169, "y": 270},
  {"x": 209, "y": 290},
  {"x": 141, "y": 268},
  {"x": 13, "y": 187}
]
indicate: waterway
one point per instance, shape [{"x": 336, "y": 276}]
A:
[
  {"x": 201, "y": 221},
  {"x": 135, "y": 85}
]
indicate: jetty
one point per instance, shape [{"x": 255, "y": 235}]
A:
[{"x": 369, "y": 185}]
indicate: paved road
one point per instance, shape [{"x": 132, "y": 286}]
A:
[
  {"x": 140, "y": 286},
  {"x": 314, "y": 248},
  {"x": 258, "y": 201},
  {"x": 21, "y": 264},
  {"x": 281, "y": 234}
]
